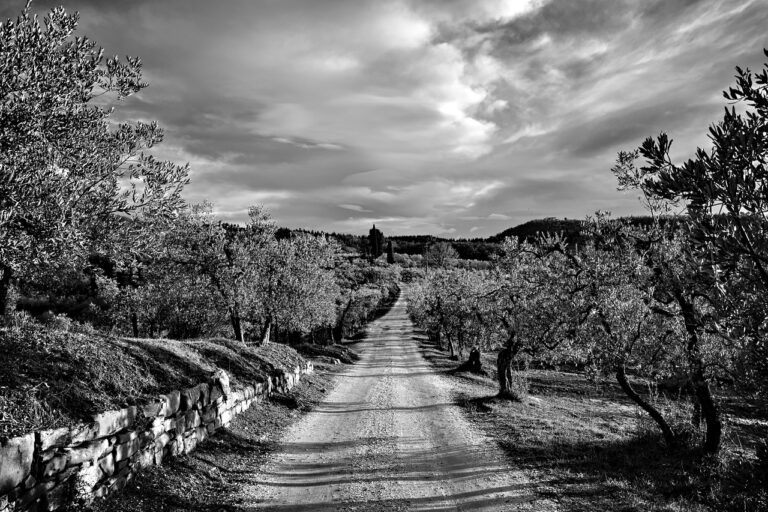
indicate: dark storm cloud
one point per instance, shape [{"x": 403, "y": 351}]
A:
[{"x": 443, "y": 116}]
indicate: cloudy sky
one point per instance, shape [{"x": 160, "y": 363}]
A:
[{"x": 451, "y": 117}]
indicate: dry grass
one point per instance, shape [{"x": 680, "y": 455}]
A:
[
  {"x": 593, "y": 450},
  {"x": 342, "y": 353},
  {"x": 51, "y": 378}
]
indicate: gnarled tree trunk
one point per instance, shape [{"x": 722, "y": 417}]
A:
[
  {"x": 266, "y": 330},
  {"x": 452, "y": 348},
  {"x": 709, "y": 409},
  {"x": 621, "y": 377},
  {"x": 135, "y": 323},
  {"x": 338, "y": 329},
  {"x": 6, "y": 285},
  {"x": 234, "y": 317},
  {"x": 504, "y": 368}
]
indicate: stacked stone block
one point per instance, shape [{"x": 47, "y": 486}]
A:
[{"x": 46, "y": 470}]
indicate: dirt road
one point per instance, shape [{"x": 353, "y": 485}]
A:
[{"x": 388, "y": 437}]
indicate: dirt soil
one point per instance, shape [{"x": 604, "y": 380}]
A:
[{"x": 388, "y": 437}]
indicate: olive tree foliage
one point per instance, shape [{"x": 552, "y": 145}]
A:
[
  {"x": 65, "y": 168},
  {"x": 716, "y": 277},
  {"x": 534, "y": 308},
  {"x": 641, "y": 310},
  {"x": 724, "y": 192},
  {"x": 440, "y": 255},
  {"x": 619, "y": 303},
  {"x": 163, "y": 300},
  {"x": 295, "y": 286},
  {"x": 618, "y": 328},
  {"x": 229, "y": 256},
  {"x": 449, "y": 305}
]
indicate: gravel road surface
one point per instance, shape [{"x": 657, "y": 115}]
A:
[{"x": 389, "y": 437}]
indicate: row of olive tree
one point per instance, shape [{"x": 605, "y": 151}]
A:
[
  {"x": 86, "y": 211},
  {"x": 610, "y": 304},
  {"x": 209, "y": 270},
  {"x": 685, "y": 297}
]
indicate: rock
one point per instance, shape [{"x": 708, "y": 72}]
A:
[
  {"x": 192, "y": 419},
  {"x": 55, "y": 465},
  {"x": 58, "y": 497},
  {"x": 189, "y": 398},
  {"x": 57, "y": 437},
  {"x": 153, "y": 409},
  {"x": 86, "y": 452},
  {"x": 112, "y": 422},
  {"x": 216, "y": 392},
  {"x": 107, "y": 465},
  {"x": 86, "y": 479},
  {"x": 15, "y": 461},
  {"x": 172, "y": 403},
  {"x": 84, "y": 432},
  {"x": 205, "y": 394},
  {"x": 125, "y": 450},
  {"x": 221, "y": 377},
  {"x": 27, "y": 500}
]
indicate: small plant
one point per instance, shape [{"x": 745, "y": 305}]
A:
[
  {"x": 60, "y": 322},
  {"x": 19, "y": 319},
  {"x": 83, "y": 328}
]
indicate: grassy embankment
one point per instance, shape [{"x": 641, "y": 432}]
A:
[
  {"x": 591, "y": 449},
  {"x": 55, "y": 378}
]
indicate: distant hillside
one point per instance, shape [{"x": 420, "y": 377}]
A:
[{"x": 570, "y": 228}]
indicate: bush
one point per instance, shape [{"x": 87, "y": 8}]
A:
[{"x": 59, "y": 322}]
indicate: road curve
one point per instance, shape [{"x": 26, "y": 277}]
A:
[{"x": 388, "y": 437}]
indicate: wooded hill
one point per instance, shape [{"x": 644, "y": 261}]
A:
[{"x": 475, "y": 248}]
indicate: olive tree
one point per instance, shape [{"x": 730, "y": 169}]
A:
[
  {"x": 295, "y": 286},
  {"x": 718, "y": 278},
  {"x": 535, "y": 305},
  {"x": 229, "y": 256},
  {"x": 65, "y": 167}
]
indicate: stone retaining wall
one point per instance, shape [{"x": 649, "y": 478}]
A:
[{"x": 46, "y": 470}]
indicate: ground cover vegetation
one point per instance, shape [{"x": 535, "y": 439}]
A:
[
  {"x": 98, "y": 245},
  {"x": 674, "y": 306}
]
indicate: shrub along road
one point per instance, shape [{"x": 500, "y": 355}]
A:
[{"x": 388, "y": 437}]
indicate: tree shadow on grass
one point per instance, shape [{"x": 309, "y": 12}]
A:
[
  {"x": 241, "y": 368},
  {"x": 169, "y": 369}
]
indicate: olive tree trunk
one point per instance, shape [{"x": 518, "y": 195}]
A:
[
  {"x": 621, "y": 377},
  {"x": 6, "y": 286},
  {"x": 266, "y": 330},
  {"x": 237, "y": 328}
]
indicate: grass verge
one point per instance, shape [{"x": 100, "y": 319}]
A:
[{"x": 591, "y": 449}]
